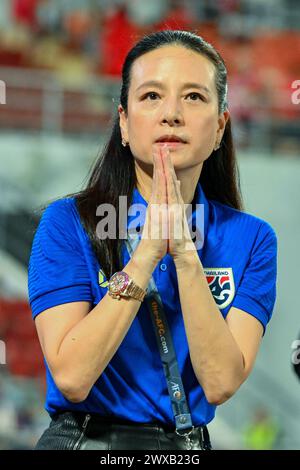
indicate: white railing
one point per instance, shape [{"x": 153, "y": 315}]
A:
[{"x": 37, "y": 100}]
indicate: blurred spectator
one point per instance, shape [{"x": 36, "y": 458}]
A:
[
  {"x": 77, "y": 24},
  {"x": 242, "y": 93},
  {"x": 178, "y": 16},
  {"x": 263, "y": 13},
  {"x": 24, "y": 12},
  {"x": 22, "y": 417},
  {"x": 210, "y": 10},
  {"x": 262, "y": 433},
  {"x": 5, "y": 16},
  {"x": 118, "y": 35},
  {"x": 49, "y": 16},
  {"x": 145, "y": 13}
]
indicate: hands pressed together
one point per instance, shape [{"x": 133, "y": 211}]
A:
[{"x": 166, "y": 228}]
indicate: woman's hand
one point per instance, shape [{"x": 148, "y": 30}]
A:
[
  {"x": 166, "y": 229},
  {"x": 180, "y": 243},
  {"x": 154, "y": 240}
]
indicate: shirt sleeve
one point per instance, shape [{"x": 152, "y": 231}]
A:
[
  {"x": 57, "y": 271},
  {"x": 256, "y": 292}
]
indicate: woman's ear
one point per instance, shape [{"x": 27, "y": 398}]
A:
[
  {"x": 123, "y": 123},
  {"x": 222, "y": 121}
]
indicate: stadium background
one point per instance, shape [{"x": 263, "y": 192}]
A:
[{"x": 59, "y": 80}]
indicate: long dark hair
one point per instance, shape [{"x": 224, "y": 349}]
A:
[{"x": 114, "y": 174}]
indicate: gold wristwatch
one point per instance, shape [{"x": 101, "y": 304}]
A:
[{"x": 122, "y": 285}]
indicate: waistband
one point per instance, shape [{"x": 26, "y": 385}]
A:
[
  {"x": 97, "y": 418},
  {"x": 80, "y": 418}
]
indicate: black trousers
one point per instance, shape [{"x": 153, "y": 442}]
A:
[{"x": 88, "y": 431}]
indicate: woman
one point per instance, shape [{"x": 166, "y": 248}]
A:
[{"x": 133, "y": 371}]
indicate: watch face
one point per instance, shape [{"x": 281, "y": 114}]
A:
[{"x": 119, "y": 282}]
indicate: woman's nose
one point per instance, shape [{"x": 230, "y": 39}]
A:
[{"x": 172, "y": 114}]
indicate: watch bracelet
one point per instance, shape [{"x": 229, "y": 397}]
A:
[{"x": 136, "y": 292}]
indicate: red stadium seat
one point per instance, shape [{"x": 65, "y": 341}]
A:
[{"x": 23, "y": 352}]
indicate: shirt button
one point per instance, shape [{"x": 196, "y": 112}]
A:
[{"x": 163, "y": 267}]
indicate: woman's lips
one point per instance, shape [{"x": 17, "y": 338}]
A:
[{"x": 170, "y": 144}]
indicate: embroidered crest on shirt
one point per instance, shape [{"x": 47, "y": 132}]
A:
[
  {"x": 103, "y": 282},
  {"x": 221, "y": 284}
]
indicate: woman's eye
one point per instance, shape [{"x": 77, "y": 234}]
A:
[
  {"x": 151, "y": 94},
  {"x": 197, "y": 95}
]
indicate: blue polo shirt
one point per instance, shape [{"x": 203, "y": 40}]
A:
[{"x": 238, "y": 255}]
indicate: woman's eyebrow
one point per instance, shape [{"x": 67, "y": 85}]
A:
[{"x": 184, "y": 86}]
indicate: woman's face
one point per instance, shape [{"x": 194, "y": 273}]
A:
[{"x": 182, "y": 101}]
